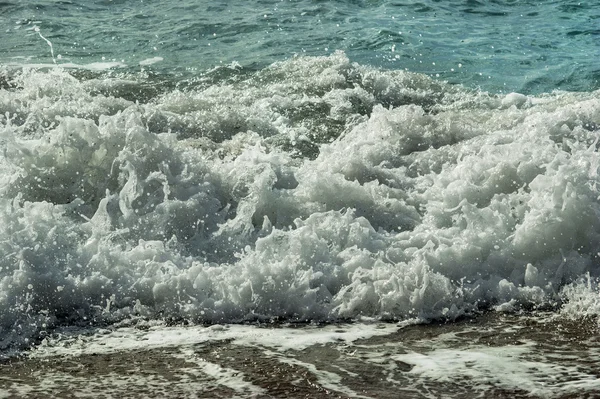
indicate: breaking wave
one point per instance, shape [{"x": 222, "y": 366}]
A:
[{"x": 314, "y": 189}]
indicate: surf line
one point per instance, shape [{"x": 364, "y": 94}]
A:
[{"x": 37, "y": 29}]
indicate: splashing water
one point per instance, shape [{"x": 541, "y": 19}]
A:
[
  {"x": 37, "y": 30},
  {"x": 290, "y": 193}
]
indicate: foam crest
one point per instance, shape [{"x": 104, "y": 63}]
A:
[{"x": 314, "y": 189}]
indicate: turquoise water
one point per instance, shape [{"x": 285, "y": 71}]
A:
[{"x": 500, "y": 46}]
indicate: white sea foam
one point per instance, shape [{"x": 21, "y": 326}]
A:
[
  {"x": 274, "y": 343},
  {"x": 326, "y": 379},
  {"x": 496, "y": 356},
  {"x": 227, "y": 377},
  {"x": 160, "y": 336},
  {"x": 91, "y": 66},
  {"x": 150, "y": 61},
  {"x": 314, "y": 189},
  {"x": 505, "y": 367}
]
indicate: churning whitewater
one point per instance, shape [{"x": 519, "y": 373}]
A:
[{"x": 313, "y": 189}]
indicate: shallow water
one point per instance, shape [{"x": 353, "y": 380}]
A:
[{"x": 492, "y": 356}]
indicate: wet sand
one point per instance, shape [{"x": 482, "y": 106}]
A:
[{"x": 492, "y": 356}]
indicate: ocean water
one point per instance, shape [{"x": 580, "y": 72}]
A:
[{"x": 300, "y": 162}]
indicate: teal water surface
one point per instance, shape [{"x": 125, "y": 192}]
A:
[{"x": 501, "y": 45}]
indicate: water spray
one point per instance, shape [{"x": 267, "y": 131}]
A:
[{"x": 37, "y": 29}]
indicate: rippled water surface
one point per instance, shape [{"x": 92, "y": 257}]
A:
[{"x": 526, "y": 46}]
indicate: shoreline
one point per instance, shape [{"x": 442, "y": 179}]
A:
[{"x": 495, "y": 355}]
